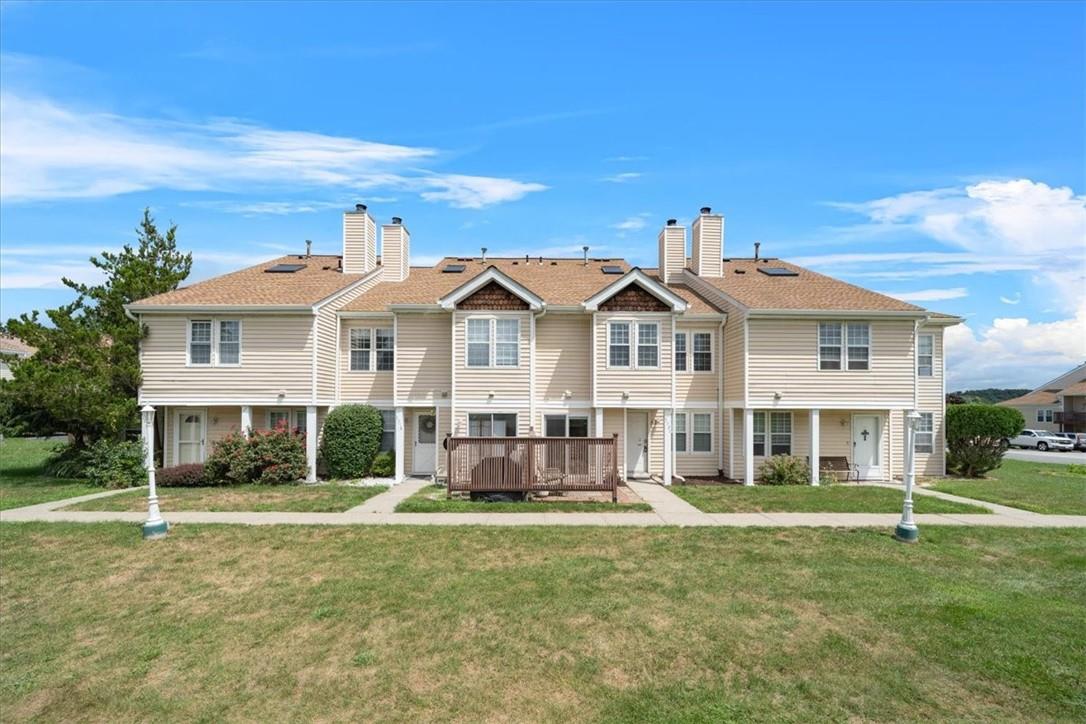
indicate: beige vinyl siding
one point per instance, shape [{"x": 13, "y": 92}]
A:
[
  {"x": 656, "y": 441},
  {"x": 614, "y": 424},
  {"x": 699, "y": 463},
  {"x": 327, "y": 353},
  {"x": 693, "y": 386},
  {"x": 734, "y": 370},
  {"x": 363, "y": 386},
  {"x": 276, "y": 355},
  {"x": 647, "y": 387},
  {"x": 783, "y": 357},
  {"x": 423, "y": 349},
  {"x": 1030, "y": 413},
  {"x": 929, "y": 399},
  {"x": 563, "y": 357},
  {"x": 509, "y": 384}
]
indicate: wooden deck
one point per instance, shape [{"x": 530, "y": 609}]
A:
[{"x": 532, "y": 464}]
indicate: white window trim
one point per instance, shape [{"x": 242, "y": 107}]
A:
[
  {"x": 1045, "y": 415},
  {"x": 918, "y": 355},
  {"x": 844, "y": 345},
  {"x": 686, "y": 352},
  {"x": 214, "y": 356},
  {"x": 634, "y": 343},
  {"x": 292, "y": 416},
  {"x": 930, "y": 433},
  {"x": 688, "y": 421},
  {"x": 491, "y": 413},
  {"x": 690, "y": 353},
  {"x": 492, "y": 341},
  {"x": 372, "y": 350},
  {"x": 768, "y": 434},
  {"x": 566, "y": 417}
]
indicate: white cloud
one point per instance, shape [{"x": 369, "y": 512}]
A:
[
  {"x": 1015, "y": 300},
  {"x": 1014, "y": 352},
  {"x": 51, "y": 151},
  {"x": 929, "y": 295},
  {"x": 622, "y": 178},
  {"x": 632, "y": 223}
]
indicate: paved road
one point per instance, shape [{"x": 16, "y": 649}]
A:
[{"x": 1051, "y": 456}]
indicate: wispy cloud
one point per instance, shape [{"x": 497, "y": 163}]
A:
[
  {"x": 929, "y": 295},
  {"x": 622, "y": 178},
  {"x": 636, "y": 222},
  {"x": 1012, "y": 300},
  {"x": 51, "y": 151}
]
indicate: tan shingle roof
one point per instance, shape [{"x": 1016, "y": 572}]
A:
[
  {"x": 1037, "y": 397},
  {"x": 1079, "y": 388},
  {"x": 808, "y": 290},
  {"x": 559, "y": 282},
  {"x": 14, "y": 345},
  {"x": 253, "y": 286}
]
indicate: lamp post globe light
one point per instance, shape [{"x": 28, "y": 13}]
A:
[
  {"x": 906, "y": 530},
  {"x": 155, "y": 527}
]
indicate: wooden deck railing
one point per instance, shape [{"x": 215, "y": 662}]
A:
[{"x": 524, "y": 464}]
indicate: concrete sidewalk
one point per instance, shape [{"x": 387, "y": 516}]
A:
[{"x": 668, "y": 511}]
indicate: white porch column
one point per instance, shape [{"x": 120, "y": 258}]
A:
[
  {"x": 399, "y": 445},
  {"x": 816, "y": 424},
  {"x": 599, "y": 422},
  {"x": 748, "y": 446},
  {"x": 247, "y": 420},
  {"x": 669, "y": 443},
  {"x": 311, "y": 433}
]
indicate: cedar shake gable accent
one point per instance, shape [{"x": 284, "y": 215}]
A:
[
  {"x": 493, "y": 296},
  {"x": 633, "y": 298}
]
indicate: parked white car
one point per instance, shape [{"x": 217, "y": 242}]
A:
[{"x": 1041, "y": 440}]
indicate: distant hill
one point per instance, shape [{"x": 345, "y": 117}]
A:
[{"x": 987, "y": 396}]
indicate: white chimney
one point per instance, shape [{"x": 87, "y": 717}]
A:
[
  {"x": 672, "y": 251},
  {"x": 395, "y": 251},
  {"x": 359, "y": 241},
  {"x": 707, "y": 240}
]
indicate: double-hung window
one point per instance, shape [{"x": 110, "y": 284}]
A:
[
  {"x": 680, "y": 432},
  {"x": 200, "y": 342},
  {"x": 703, "y": 432},
  {"x": 703, "y": 352},
  {"x": 779, "y": 433},
  {"x": 1044, "y": 415},
  {"x": 844, "y": 346},
  {"x": 924, "y": 442},
  {"x": 618, "y": 344},
  {"x": 361, "y": 349},
  {"x": 388, "y": 430},
  {"x": 386, "y": 349},
  {"x": 648, "y": 344},
  {"x": 493, "y": 342},
  {"x": 507, "y": 342},
  {"x": 278, "y": 419},
  {"x": 680, "y": 351},
  {"x": 372, "y": 349},
  {"x": 925, "y": 355},
  {"x": 214, "y": 343}
]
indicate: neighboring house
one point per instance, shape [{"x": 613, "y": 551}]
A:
[
  {"x": 1059, "y": 405},
  {"x": 12, "y": 346},
  {"x": 702, "y": 365}
]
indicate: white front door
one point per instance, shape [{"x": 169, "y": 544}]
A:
[
  {"x": 865, "y": 446},
  {"x": 637, "y": 444},
  {"x": 190, "y": 437},
  {"x": 422, "y": 460}
]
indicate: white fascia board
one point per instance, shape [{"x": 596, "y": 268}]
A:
[
  {"x": 364, "y": 315},
  {"x": 636, "y": 276},
  {"x": 492, "y": 274},
  {"x": 837, "y": 313},
  {"x": 416, "y": 308},
  {"x": 221, "y": 309}
]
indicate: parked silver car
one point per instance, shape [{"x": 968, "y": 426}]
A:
[
  {"x": 1078, "y": 439},
  {"x": 1041, "y": 440}
]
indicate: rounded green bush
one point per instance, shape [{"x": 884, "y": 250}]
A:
[
  {"x": 976, "y": 437},
  {"x": 350, "y": 440},
  {"x": 384, "y": 465},
  {"x": 785, "y": 470}
]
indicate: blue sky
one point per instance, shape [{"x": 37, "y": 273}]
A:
[{"x": 931, "y": 151}]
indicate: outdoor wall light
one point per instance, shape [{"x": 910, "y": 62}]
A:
[{"x": 625, "y": 394}]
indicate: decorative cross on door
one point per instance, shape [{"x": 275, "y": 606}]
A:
[{"x": 864, "y": 434}]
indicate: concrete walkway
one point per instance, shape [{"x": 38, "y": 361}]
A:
[{"x": 668, "y": 511}]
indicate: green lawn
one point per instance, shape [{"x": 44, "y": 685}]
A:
[
  {"x": 327, "y": 498},
  {"x": 540, "y": 624},
  {"x": 807, "y": 499},
  {"x": 21, "y": 480},
  {"x": 1040, "y": 487},
  {"x": 431, "y": 499}
]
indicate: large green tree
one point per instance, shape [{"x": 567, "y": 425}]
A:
[{"x": 84, "y": 377}]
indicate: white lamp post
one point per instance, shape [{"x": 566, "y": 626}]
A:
[
  {"x": 906, "y": 530},
  {"x": 155, "y": 527}
]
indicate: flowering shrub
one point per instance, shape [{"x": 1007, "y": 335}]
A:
[{"x": 270, "y": 457}]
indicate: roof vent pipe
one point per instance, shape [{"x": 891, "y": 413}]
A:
[
  {"x": 308, "y": 248},
  {"x": 585, "y": 250},
  {"x": 484, "y": 255},
  {"x": 757, "y": 246}
]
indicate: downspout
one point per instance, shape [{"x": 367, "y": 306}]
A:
[
  {"x": 531, "y": 371},
  {"x": 720, "y": 399}
]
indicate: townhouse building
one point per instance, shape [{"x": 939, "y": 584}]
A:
[{"x": 704, "y": 365}]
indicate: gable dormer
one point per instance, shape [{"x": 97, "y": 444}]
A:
[
  {"x": 492, "y": 287},
  {"x": 635, "y": 291}
]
